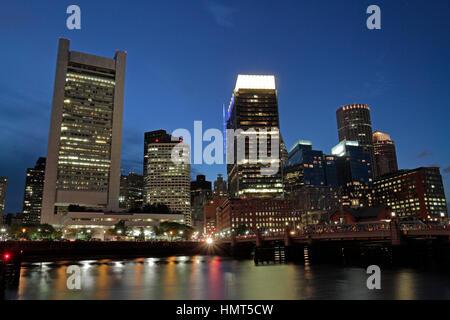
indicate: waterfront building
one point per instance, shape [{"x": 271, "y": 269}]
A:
[
  {"x": 210, "y": 214},
  {"x": 131, "y": 191},
  {"x": 313, "y": 199},
  {"x": 100, "y": 222},
  {"x": 416, "y": 194},
  {"x": 354, "y": 124},
  {"x": 3, "y": 185},
  {"x": 384, "y": 152},
  {"x": 201, "y": 193},
  {"x": 354, "y": 173},
  {"x": 254, "y": 109},
  {"x": 34, "y": 188},
  {"x": 268, "y": 214},
  {"x": 85, "y": 140},
  {"x": 167, "y": 182},
  {"x": 304, "y": 168},
  {"x": 306, "y": 175}
]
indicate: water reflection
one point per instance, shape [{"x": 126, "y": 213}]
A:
[{"x": 201, "y": 277}]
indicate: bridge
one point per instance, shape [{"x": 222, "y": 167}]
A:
[{"x": 387, "y": 231}]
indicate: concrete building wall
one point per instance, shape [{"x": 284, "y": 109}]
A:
[{"x": 113, "y": 69}]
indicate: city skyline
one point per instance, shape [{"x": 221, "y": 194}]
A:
[{"x": 415, "y": 148}]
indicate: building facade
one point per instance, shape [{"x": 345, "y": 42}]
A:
[
  {"x": 416, "y": 194},
  {"x": 254, "y": 110},
  {"x": 384, "y": 152},
  {"x": 167, "y": 182},
  {"x": 354, "y": 173},
  {"x": 201, "y": 193},
  {"x": 210, "y": 214},
  {"x": 131, "y": 191},
  {"x": 306, "y": 167},
  {"x": 256, "y": 215},
  {"x": 220, "y": 187},
  {"x": 85, "y": 140},
  {"x": 3, "y": 185},
  {"x": 100, "y": 222},
  {"x": 354, "y": 124},
  {"x": 34, "y": 188}
]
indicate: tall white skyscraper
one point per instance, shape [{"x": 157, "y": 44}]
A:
[
  {"x": 85, "y": 140},
  {"x": 166, "y": 182}
]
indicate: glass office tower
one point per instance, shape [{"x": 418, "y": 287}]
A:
[
  {"x": 254, "y": 107},
  {"x": 34, "y": 187},
  {"x": 354, "y": 173}
]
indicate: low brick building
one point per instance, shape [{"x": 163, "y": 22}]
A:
[
  {"x": 210, "y": 212},
  {"x": 272, "y": 215}
]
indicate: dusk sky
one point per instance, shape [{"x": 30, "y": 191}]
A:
[{"x": 184, "y": 56}]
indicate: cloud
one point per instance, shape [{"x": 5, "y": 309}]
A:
[
  {"x": 222, "y": 14},
  {"x": 446, "y": 170},
  {"x": 424, "y": 154}
]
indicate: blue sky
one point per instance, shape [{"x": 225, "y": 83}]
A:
[{"x": 183, "y": 58}]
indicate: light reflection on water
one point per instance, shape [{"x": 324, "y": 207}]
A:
[{"x": 220, "y": 278}]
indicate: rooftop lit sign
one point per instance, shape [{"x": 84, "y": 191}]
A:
[{"x": 245, "y": 81}]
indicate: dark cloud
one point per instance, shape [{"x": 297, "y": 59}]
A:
[{"x": 424, "y": 154}]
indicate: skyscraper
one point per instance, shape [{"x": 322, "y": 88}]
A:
[
  {"x": 354, "y": 172},
  {"x": 384, "y": 151},
  {"x": 34, "y": 187},
  {"x": 3, "y": 184},
  {"x": 220, "y": 187},
  {"x": 304, "y": 167},
  {"x": 306, "y": 175},
  {"x": 201, "y": 193},
  {"x": 131, "y": 191},
  {"x": 165, "y": 181},
  {"x": 254, "y": 109},
  {"x": 85, "y": 140},
  {"x": 354, "y": 124}
]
